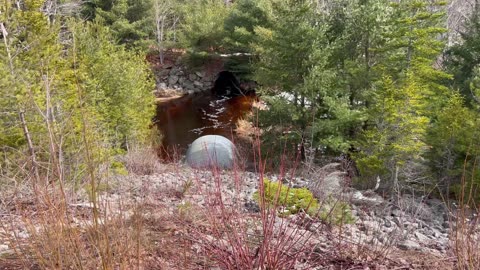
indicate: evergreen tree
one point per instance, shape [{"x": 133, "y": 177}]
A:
[
  {"x": 40, "y": 95},
  {"x": 398, "y": 133},
  {"x": 462, "y": 59},
  {"x": 293, "y": 61},
  {"x": 240, "y": 25},
  {"x": 202, "y": 26},
  {"x": 131, "y": 21},
  {"x": 118, "y": 83},
  {"x": 354, "y": 31},
  {"x": 410, "y": 92},
  {"x": 453, "y": 143}
]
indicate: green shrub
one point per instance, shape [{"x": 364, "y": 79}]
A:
[
  {"x": 292, "y": 200},
  {"x": 336, "y": 212}
]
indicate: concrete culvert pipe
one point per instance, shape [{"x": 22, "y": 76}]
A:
[{"x": 211, "y": 151}]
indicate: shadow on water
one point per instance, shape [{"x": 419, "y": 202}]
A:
[{"x": 184, "y": 119}]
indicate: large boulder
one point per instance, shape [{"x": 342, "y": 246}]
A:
[
  {"x": 330, "y": 181},
  {"x": 211, "y": 151}
]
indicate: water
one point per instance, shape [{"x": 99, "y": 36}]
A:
[{"x": 183, "y": 120}]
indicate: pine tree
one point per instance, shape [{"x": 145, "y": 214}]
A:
[
  {"x": 202, "y": 25},
  {"x": 399, "y": 129},
  {"x": 38, "y": 90},
  {"x": 131, "y": 21},
  {"x": 117, "y": 82},
  {"x": 294, "y": 56},
  {"x": 410, "y": 92},
  {"x": 354, "y": 31},
  {"x": 240, "y": 25},
  {"x": 452, "y": 140},
  {"x": 462, "y": 59}
]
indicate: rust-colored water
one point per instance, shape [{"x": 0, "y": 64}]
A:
[{"x": 183, "y": 120}]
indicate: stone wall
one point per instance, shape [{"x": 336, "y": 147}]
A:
[{"x": 177, "y": 78}]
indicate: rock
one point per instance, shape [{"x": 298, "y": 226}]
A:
[
  {"x": 421, "y": 237},
  {"x": 188, "y": 85},
  {"x": 162, "y": 86},
  {"x": 198, "y": 84},
  {"x": 177, "y": 88},
  {"x": 178, "y": 71},
  {"x": 3, "y": 248},
  {"x": 200, "y": 74},
  {"x": 208, "y": 84},
  {"x": 173, "y": 80},
  {"x": 396, "y": 220},
  {"x": 388, "y": 223},
  {"x": 397, "y": 213},
  {"x": 211, "y": 151},
  {"x": 192, "y": 77},
  {"x": 331, "y": 184},
  {"x": 409, "y": 245},
  {"x": 332, "y": 167},
  {"x": 359, "y": 199},
  {"x": 252, "y": 207},
  {"x": 181, "y": 80}
]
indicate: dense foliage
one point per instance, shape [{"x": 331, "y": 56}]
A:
[
  {"x": 70, "y": 97},
  {"x": 371, "y": 78}
]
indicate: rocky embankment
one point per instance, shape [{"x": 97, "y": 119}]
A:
[
  {"x": 386, "y": 232},
  {"x": 412, "y": 232},
  {"x": 180, "y": 80}
]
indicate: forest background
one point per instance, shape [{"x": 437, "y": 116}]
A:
[{"x": 395, "y": 85}]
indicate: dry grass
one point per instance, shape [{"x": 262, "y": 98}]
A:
[
  {"x": 231, "y": 238},
  {"x": 141, "y": 161},
  {"x": 465, "y": 227},
  {"x": 52, "y": 233},
  {"x": 245, "y": 130},
  {"x": 201, "y": 222},
  {"x": 234, "y": 239},
  {"x": 167, "y": 231}
]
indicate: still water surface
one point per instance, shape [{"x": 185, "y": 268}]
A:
[{"x": 182, "y": 120}]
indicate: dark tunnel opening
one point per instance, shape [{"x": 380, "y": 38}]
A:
[{"x": 227, "y": 84}]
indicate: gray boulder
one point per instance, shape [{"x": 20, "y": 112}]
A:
[
  {"x": 200, "y": 74},
  {"x": 409, "y": 245},
  {"x": 330, "y": 181},
  {"x": 172, "y": 80},
  {"x": 192, "y": 77},
  {"x": 211, "y": 151},
  {"x": 198, "y": 84}
]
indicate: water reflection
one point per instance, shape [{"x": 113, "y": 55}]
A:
[{"x": 184, "y": 119}]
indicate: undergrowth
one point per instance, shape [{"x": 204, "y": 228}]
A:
[{"x": 291, "y": 201}]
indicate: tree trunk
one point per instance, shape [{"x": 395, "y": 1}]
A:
[
  {"x": 160, "y": 44},
  {"x": 174, "y": 26},
  {"x": 396, "y": 185},
  {"x": 21, "y": 112},
  {"x": 31, "y": 149},
  {"x": 7, "y": 48}
]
